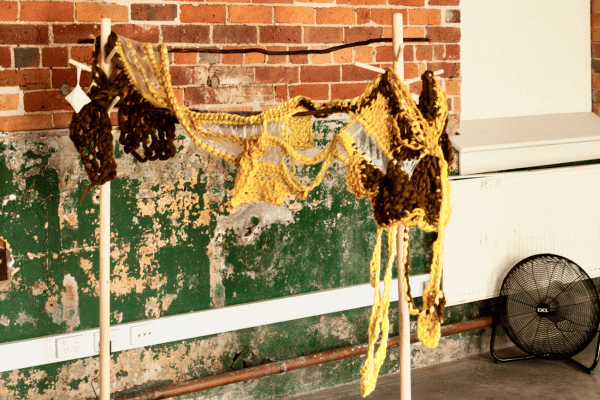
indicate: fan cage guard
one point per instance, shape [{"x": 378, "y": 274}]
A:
[{"x": 549, "y": 307}]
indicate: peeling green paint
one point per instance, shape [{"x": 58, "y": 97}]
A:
[{"x": 176, "y": 247}]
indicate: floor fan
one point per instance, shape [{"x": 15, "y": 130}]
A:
[{"x": 548, "y": 307}]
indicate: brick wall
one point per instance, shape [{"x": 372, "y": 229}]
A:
[
  {"x": 38, "y": 37},
  {"x": 595, "y": 20}
]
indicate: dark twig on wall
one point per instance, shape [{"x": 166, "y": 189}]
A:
[{"x": 279, "y": 52}]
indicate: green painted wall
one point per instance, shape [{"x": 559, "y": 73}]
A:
[{"x": 178, "y": 247}]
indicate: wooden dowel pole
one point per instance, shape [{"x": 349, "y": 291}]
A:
[
  {"x": 104, "y": 250},
  {"x": 403, "y": 314}
]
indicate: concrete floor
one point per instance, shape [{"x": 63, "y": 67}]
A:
[{"x": 480, "y": 378}]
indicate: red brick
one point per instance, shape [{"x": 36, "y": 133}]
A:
[
  {"x": 421, "y": 16},
  {"x": 361, "y": 33},
  {"x": 323, "y": 35},
  {"x": 353, "y": 73},
  {"x": 272, "y": 59},
  {"x": 47, "y": 100},
  {"x": 384, "y": 54},
  {"x": 246, "y": 14},
  {"x": 346, "y": 90},
  {"x": 228, "y": 94},
  {"x": 595, "y": 17},
  {"x": 50, "y": 11},
  {"x": 451, "y": 70},
  {"x": 23, "y": 34},
  {"x": 409, "y": 53},
  {"x": 416, "y": 87},
  {"x": 236, "y": 34},
  {"x": 444, "y": 2},
  {"x": 154, "y": 12},
  {"x": 316, "y": 1},
  {"x": 9, "y": 10},
  {"x": 269, "y": 1},
  {"x": 73, "y": 32},
  {"x": 55, "y": 56},
  {"x": 276, "y": 74},
  {"x": 212, "y": 14},
  {"x": 299, "y": 58},
  {"x": 185, "y": 58},
  {"x": 62, "y": 120},
  {"x": 453, "y": 16},
  {"x": 233, "y": 58},
  {"x": 26, "y": 78},
  {"x": 424, "y": 52},
  {"x": 318, "y": 73},
  {"x": 280, "y": 34},
  {"x": 281, "y": 93},
  {"x": 362, "y": 2},
  {"x": 596, "y": 81},
  {"x": 26, "y": 57},
  {"x": 383, "y": 16},
  {"x": 194, "y": 75},
  {"x": 9, "y": 101},
  {"x": 363, "y": 16},
  {"x": 196, "y": 34},
  {"x": 82, "y": 54},
  {"x": 313, "y": 91},
  {"x": 60, "y": 76},
  {"x": 453, "y": 87},
  {"x": 5, "y": 57},
  {"x": 336, "y": 15},
  {"x": 294, "y": 15},
  {"x": 595, "y": 5},
  {"x": 596, "y": 109},
  {"x": 17, "y": 123},
  {"x": 142, "y": 33},
  {"x": 443, "y": 34},
  {"x": 254, "y": 58},
  {"x": 595, "y": 50},
  {"x": 363, "y": 54},
  {"x": 95, "y": 11},
  {"x": 595, "y": 34},
  {"x": 411, "y": 70},
  {"x": 320, "y": 58},
  {"x": 410, "y": 3},
  {"x": 452, "y": 52},
  {"x": 342, "y": 56}
]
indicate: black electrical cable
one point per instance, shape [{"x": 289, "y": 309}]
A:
[{"x": 279, "y": 52}]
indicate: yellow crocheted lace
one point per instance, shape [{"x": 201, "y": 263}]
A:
[{"x": 412, "y": 189}]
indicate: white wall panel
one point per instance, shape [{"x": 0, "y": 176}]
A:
[{"x": 499, "y": 219}]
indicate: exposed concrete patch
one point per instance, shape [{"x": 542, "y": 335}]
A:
[
  {"x": 70, "y": 303},
  {"x": 23, "y": 318},
  {"x": 339, "y": 327},
  {"x": 6, "y": 285},
  {"x": 67, "y": 308}
]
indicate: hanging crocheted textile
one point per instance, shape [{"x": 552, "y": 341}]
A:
[{"x": 396, "y": 153}]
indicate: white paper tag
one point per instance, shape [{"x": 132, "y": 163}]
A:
[{"x": 77, "y": 98}]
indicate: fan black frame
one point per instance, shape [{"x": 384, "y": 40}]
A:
[{"x": 496, "y": 322}]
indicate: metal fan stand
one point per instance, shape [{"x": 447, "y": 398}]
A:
[
  {"x": 543, "y": 310},
  {"x": 498, "y": 360}
]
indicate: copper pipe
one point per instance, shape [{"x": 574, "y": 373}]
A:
[{"x": 196, "y": 385}]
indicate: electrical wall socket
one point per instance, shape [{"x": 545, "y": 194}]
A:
[
  {"x": 112, "y": 339},
  {"x": 69, "y": 347},
  {"x": 142, "y": 334}
]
